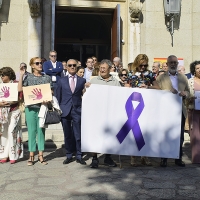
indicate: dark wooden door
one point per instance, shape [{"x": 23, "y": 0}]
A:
[{"x": 116, "y": 33}]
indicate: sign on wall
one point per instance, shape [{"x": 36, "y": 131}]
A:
[
  {"x": 162, "y": 60},
  {"x": 130, "y": 121}
]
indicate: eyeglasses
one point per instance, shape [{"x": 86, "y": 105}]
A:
[
  {"x": 38, "y": 63},
  {"x": 70, "y": 65},
  {"x": 143, "y": 65},
  {"x": 123, "y": 74},
  {"x": 53, "y": 56},
  {"x": 23, "y": 66},
  {"x": 2, "y": 75}
]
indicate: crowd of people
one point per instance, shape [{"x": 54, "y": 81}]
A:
[{"x": 69, "y": 81}]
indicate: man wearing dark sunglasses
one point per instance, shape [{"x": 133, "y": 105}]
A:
[
  {"x": 53, "y": 68},
  {"x": 69, "y": 95}
]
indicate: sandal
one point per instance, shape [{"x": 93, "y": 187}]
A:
[
  {"x": 30, "y": 161},
  {"x": 42, "y": 162}
]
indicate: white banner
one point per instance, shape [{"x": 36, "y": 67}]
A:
[{"x": 131, "y": 121}]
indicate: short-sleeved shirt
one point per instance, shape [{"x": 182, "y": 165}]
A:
[
  {"x": 31, "y": 79},
  {"x": 139, "y": 78},
  {"x": 111, "y": 81}
]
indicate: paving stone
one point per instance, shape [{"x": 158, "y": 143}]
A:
[
  {"x": 162, "y": 185},
  {"x": 52, "y": 173},
  {"x": 50, "y": 181},
  {"x": 82, "y": 197},
  {"x": 17, "y": 196},
  {"x": 189, "y": 193},
  {"x": 187, "y": 187},
  {"x": 143, "y": 197},
  {"x": 162, "y": 175},
  {"x": 162, "y": 193},
  {"x": 186, "y": 181},
  {"x": 20, "y": 185},
  {"x": 50, "y": 190},
  {"x": 23, "y": 175}
]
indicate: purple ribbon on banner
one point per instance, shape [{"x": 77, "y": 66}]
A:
[{"x": 132, "y": 122}]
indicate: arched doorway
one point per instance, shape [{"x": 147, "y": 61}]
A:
[{"x": 82, "y": 34}]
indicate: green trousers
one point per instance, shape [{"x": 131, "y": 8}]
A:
[{"x": 35, "y": 133}]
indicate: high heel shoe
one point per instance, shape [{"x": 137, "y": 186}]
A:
[
  {"x": 4, "y": 160},
  {"x": 30, "y": 161},
  {"x": 42, "y": 161}
]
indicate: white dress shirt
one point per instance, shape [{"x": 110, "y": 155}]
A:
[
  {"x": 87, "y": 74},
  {"x": 65, "y": 73},
  {"x": 174, "y": 80},
  {"x": 70, "y": 79},
  {"x": 54, "y": 66}
]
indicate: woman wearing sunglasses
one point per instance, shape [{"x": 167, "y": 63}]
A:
[
  {"x": 123, "y": 75},
  {"x": 140, "y": 76},
  {"x": 31, "y": 111},
  {"x": 11, "y": 147}
]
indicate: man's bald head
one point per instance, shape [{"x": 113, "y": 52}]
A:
[{"x": 117, "y": 61}]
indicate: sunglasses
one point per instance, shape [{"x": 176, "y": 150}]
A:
[
  {"x": 23, "y": 66},
  {"x": 123, "y": 74},
  {"x": 53, "y": 56},
  {"x": 2, "y": 75},
  {"x": 37, "y": 63},
  {"x": 70, "y": 65},
  {"x": 144, "y": 65}
]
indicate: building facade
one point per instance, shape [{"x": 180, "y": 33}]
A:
[{"x": 82, "y": 28}]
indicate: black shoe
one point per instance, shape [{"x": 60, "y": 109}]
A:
[
  {"x": 180, "y": 163},
  {"x": 67, "y": 161},
  {"x": 94, "y": 163},
  {"x": 81, "y": 161},
  {"x": 109, "y": 162},
  {"x": 163, "y": 162}
]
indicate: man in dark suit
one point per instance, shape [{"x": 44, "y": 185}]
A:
[
  {"x": 64, "y": 72},
  {"x": 69, "y": 94},
  {"x": 53, "y": 68}
]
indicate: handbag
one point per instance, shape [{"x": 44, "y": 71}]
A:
[{"x": 52, "y": 116}]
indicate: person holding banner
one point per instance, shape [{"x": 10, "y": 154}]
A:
[
  {"x": 32, "y": 111},
  {"x": 140, "y": 76},
  {"x": 69, "y": 95},
  {"x": 178, "y": 84},
  {"x": 11, "y": 146},
  {"x": 104, "y": 79},
  {"x": 194, "y": 110}
]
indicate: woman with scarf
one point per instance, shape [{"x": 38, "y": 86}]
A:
[{"x": 11, "y": 147}]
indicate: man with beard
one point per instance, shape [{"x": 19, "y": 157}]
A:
[{"x": 176, "y": 83}]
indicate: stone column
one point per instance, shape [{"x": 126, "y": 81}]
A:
[
  {"x": 34, "y": 36},
  {"x": 135, "y": 8},
  {"x": 34, "y": 29}
]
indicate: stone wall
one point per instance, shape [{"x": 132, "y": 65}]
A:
[
  {"x": 156, "y": 40},
  {"x": 23, "y": 37}
]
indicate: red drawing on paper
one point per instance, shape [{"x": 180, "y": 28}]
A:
[
  {"x": 37, "y": 92},
  {"x": 6, "y": 92}
]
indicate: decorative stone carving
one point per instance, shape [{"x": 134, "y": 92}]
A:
[
  {"x": 34, "y": 6},
  {"x": 1, "y": 1},
  {"x": 135, "y": 9}
]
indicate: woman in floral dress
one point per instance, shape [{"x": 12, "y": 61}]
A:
[{"x": 11, "y": 147}]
